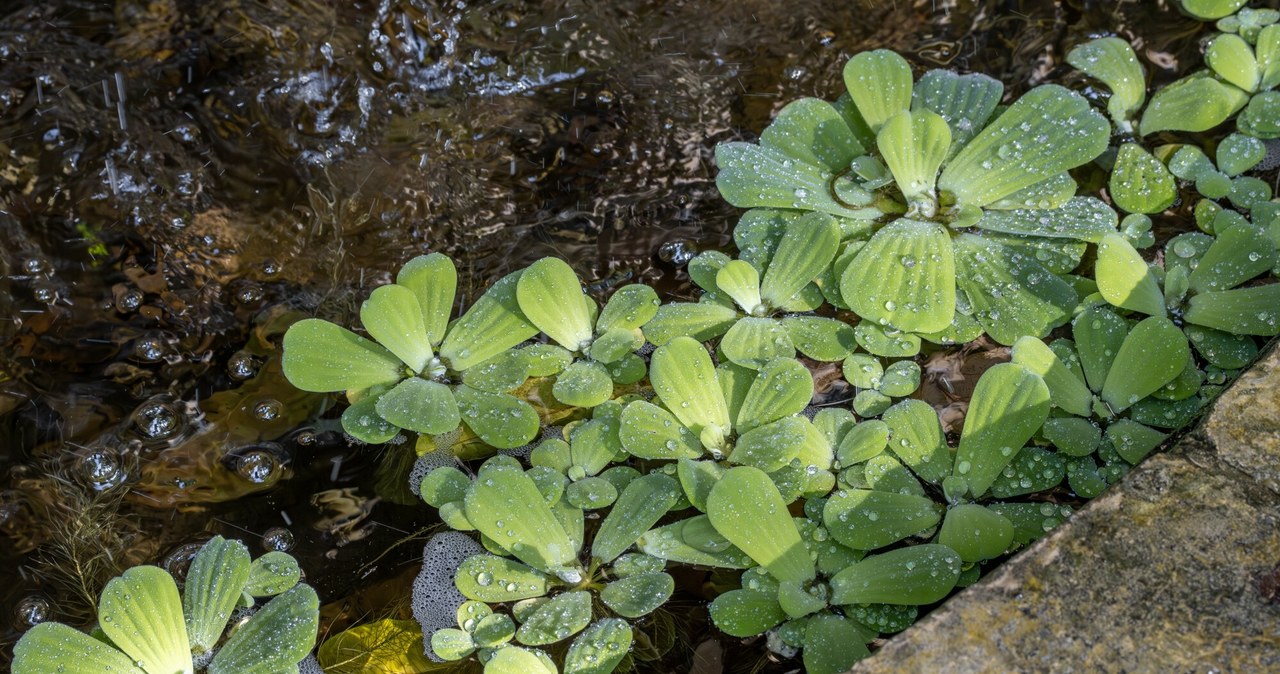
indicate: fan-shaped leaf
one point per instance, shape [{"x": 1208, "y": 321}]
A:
[
  {"x": 1048, "y": 130},
  {"x": 562, "y": 617},
  {"x": 650, "y": 432},
  {"x": 551, "y": 296},
  {"x": 500, "y": 420},
  {"x": 865, "y": 520},
  {"x": 879, "y": 82},
  {"x": 629, "y": 308},
  {"x": 782, "y": 388},
  {"x": 1009, "y": 405},
  {"x": 904, "y": 277},
  {"x": 746, "y": 508},
  {"x": 420, "y": 406},
  {"x": 964, "y": 101},
  {"x": 913, "y": 145},
  {"x": 638, "y": 595},
  {"x": 746, "y": 613},
  {"x": 493, "y": 324},
  {"x": 642, "y": 503},
  {"x": 279, "y": 635},
  {"x": 271, "y": 574},
  {"x": 1066, "y": 389},
  {"x": 141, "y": 613},
  {"x": 1124, "y": 278},
  {"x": 699, "y": 320},
  {"x": 1140, "y": 183},
  {"x": 599, "y": 648},
  {"x": 1246, "y": 311},
  {"x": 812, "y": 131},
  {"x": 1197, "y": 102},
  {"x": 504, "y": 504},
  {"x": 54, "y": 647},
  {"x": 391, "y": 315},
  {"x": 584, "y": 384},
  {"x": 322, "y": 357},
  {"x": 685, "y": 380},
  {"x": 1081, "y": 218},
  {"x": 1233, "y": 59},
  {"x": 434, "y": 281},
  {"x": 975, "y": 533},
  {"x": 215, "y": 580},
  {"x": 832, "y": 644},
  {"x": 805, "y": 250},
  {"x": 916, "y": 575},
  {"x": 1011, "y": 293},
  {"x": 1111, "y": 60},
  {"x": 490, "y": 578},
  {"x": 917, "y": 439},
  {"x": 753, "y": 176},
  {"x": 771, "y": 446}
]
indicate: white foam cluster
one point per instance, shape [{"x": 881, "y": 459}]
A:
[
  {"x": 1272, "y": 159},
  {"x": 521, "y": 452},
  {"x": 427, "y": 463},
  {"x": 310, "y": 666},
  {"x": 435, "y": 598}
]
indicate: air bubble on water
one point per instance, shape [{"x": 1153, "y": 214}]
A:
[{"x": 278, "y": 539}]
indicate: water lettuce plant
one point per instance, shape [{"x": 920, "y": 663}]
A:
[
  {"x": 401, "y": 381},
  {"x": 146, "y": 627},
  {"x": 961, "y": 199}
]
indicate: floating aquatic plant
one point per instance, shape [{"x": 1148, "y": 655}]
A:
[
  {"x": 147, "y": 627},
  {"x": 402, "y": 381},
  {"x": 964, "y": 205}
]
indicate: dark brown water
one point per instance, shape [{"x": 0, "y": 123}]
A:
[{"x": 179, "y": 179}]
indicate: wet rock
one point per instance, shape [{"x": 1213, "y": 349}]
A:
[{"x": 1244, "y": 427}]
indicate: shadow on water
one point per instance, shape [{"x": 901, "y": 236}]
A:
[{"x": 180, "y": 179}]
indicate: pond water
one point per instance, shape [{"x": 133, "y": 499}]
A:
[{"x": 180, "y": 180}]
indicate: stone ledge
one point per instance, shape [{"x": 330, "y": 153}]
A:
[{"x": 1159, "y": 574}]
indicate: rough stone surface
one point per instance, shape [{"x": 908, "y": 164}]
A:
[{"x": 1170, "y": 571}]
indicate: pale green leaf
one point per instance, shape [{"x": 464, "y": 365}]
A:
[
  {"x": 864, "y": 519},
  {"x": 1080, "y": 218},
  {"x": 783, "y": 387},
  {"x": 685, "y": 381},
  {"x": 629, "y": 308},
  {"x": 551, "y": 297},
  {"x": 650, "y": 432},
  {"x": 879, "y": 82},
  {"x": 1099, "y": 332},
  {"x": 913, "y": 145},
  {"x": 1072, "y": 436},
  {"x": 746, "y": 508},
  {"x": 642, "y": 503},
  {"x": 886, "y": 341},
  {"x": 1050, "y": 193},
  {"x": 917, "y": 439},
  {"x": 1140, "y": 183},
  {"x": 771, "y": 446},
  {"x": 502, "y": 373},
  {"x": 420, "y": 406},
  {"x": 504, "y": 504},
  {"x": 1197, "y": 102},
  {"x": 141, "y": 612},
  {"x": 746, "y": 613},
  {"x": 1233, "y": 59},
  {"x": 699, "y": 320},
  {"x": 964, "y": 101},
  {"x": 434, "y": 282},
  {"x": 752, "y": 342},
  {"x": 865, "y": 441},
  {"x": 391, "y": 315},
  {"x": 805, "y": 250},
  {"x": 584, "y": 384},
  {"x": 1153, "y": 354},
  {"x": 904, "y": 277},
  {"x": 668, "y": 542},
  {"x": 1048, "y": 130},
  {"x": 280, "y": 634},
  {"x": 54, "y": 647},
  {"x": 1112, "y": 61},
  {"x": 832, "y": 645},
  {"x": 916, "y": 575},
  {"x": 1067, "y": 390},
  {"x": 1011, "y": 294},
  {"x": 1238, "y": 254},
  {"x": 638, "y": 595},
  {"x": 494, "y": 579},
  {"x": 214, "y": 582},
  {"x": 975, "y": 533},
  {"x": 493, "y": 324},
  {"x": 754, "y": 176},
  {"x": 1247, "y": 311},
  {"x": 812, "y": 131},
  {"x": 500, "y": 420},
  {"x": 1124, "y": 279},
  {"x": 599, "y": 649},
  {"x": 361, "y": 421},
  {"x": 562, "y": 617},
  {"x": 820, "y": 338},
  {"x": 1009, "y": 405},
  {"x": 272, "y": 574},
  {"x": 322, "y": 357}
]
